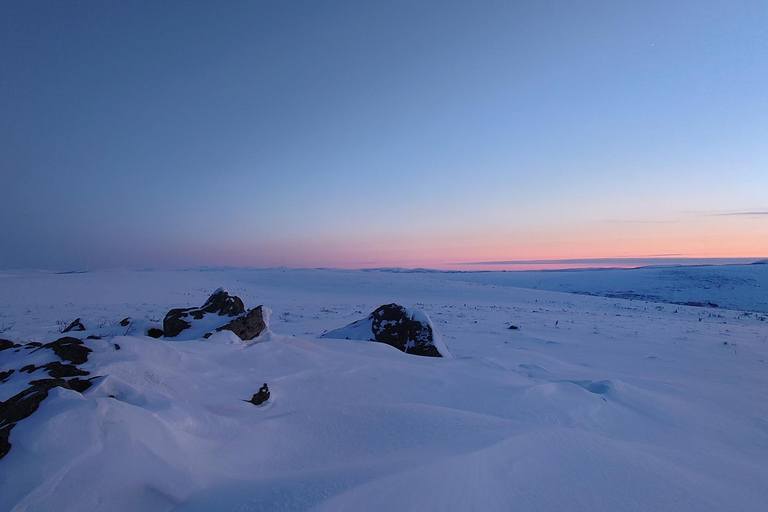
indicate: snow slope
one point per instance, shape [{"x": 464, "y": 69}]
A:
[
  {"x": 729, "y": 286},
  {"x": 594, "y": 404}
]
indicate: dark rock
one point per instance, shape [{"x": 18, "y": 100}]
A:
[
  {"x": 4, "y": 375},
  {"x": 6, "y": 344},
  {"x": 117, "y": 347},
  {"x": 392, "y": 325},
  {"x": 260, "y": 397},
  {"x": 125, "y": 321},
  {"x": 207, "y": 335},
  {"x": 69, "y": 349},
  {"x": 93, "y": 337},
  {"x": 5, "y": 446},
  {"x": 78, "y": 385},
  {"x": 515, "y": 328},
  {"x": 247, "y": 326},
  {"x": 220, "y": 303},
  {"x": 76, "y": 325},
  {"x": 155, "y": 333},
  {"x": 408, "y": 331},
  {"x": 29, "y": 368},
  {"x": 33, "y": 344},
  {"x": 26, "y": 402},
  {"x": 58, "y": 370}
]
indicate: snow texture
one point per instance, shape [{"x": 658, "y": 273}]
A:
[{"x": 595, "y": 403}]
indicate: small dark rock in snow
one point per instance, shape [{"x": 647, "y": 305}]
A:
[
  {"x": 76, "y": 325},
  {"x": 69, "y": 349},
  {"x": 155, "y": 333},
  {"x": 207, "y": 335},
  {"x": 514, "y": 327},
  {"x": 125, "y": 321},
  {"x": 260, "y": 397},
  {"x": 93, "y": 337},
  {"x": 249, "y": 326},
  {"x": 117, "y": 347},
  {"x": 4, "y": 375},
  {"x": 6, "y": 344},
  {"x": 220, "y": 303}
]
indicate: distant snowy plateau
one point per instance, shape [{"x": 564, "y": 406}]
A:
[{"x": 600, "y": 390}]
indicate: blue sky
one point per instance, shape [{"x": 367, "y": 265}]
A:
[{"x": 269, "y": 133}]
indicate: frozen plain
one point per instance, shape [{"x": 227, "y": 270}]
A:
[{"x": 593, "y": 404}]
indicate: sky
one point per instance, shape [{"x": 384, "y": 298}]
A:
[{"x": 366, "y": 134}]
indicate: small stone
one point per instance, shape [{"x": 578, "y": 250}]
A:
[
  {"x": 260, "y": 397},
  {"x": 155, "y": 333},
  {"x": 76, "y": 325}
]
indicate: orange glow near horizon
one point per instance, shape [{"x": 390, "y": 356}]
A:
[{"x": 716, "y": 238}]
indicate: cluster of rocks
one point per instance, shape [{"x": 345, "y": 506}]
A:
[
  {"x": 247, "y": 325},
  {"x": 63, "y": 373},
  {"x": 70, "y": 351},
  {"x": 408, "y": 330}
]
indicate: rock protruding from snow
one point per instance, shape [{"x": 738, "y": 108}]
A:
[
  {"x": 220, "y": 303},
  {"x": 260, "y": 397},
  {"x": 154, "y": 332},
  {"x": 6, "y": 344},
  {"x": 249, "y": 326},
  {"x": 76, "y": 325},
  {"x": 408, "y": 330},
  {"x": 69, "y": 349},
  {"x": 24, "y": 403}
]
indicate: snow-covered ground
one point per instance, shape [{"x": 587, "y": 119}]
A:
[{"x": 593, "y": 404}]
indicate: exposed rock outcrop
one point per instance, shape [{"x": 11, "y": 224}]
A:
[
  {"x": 248, "y": 326},
  {"x": 67, "y": 376},
  {"x": 408, "y": 330},
  {"x": 76, "y": 325},
  {"x": 220, "y": 303},
  {"x": 69, "y": 349}
]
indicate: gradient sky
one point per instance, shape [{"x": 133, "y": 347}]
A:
[{"x": 398, "y": 133}]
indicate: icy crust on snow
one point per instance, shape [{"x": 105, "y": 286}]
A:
[{"x": 595, "y": 404}]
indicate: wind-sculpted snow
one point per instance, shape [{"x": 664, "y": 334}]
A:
[{"x": 592, "y": 404}]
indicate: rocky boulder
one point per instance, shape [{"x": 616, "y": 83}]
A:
[
  {"x": 220, "y": 303},
  {"x": 250, "y": 325},
  {"x": 408, "y": 330}
]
